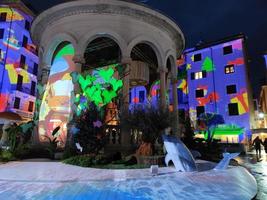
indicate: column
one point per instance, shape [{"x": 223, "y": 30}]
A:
[
  {"x": 163, "y": 72},
  {"x": 125, "y": 133},
  {"x": 42, "y": 78},
  {"x": 79, "y": 60},
  {"x": 175, "y": 126}
]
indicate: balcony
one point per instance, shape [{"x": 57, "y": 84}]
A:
[
  {"x": 30, "y": 48},
  {"x": 28, "y": 69}
]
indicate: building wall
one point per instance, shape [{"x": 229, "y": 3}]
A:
[
  {"x": 220, "y": 69},
  {"x": 15, "y": 25}
]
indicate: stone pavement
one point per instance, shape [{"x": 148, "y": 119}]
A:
[{"x": 258, "y": 170}]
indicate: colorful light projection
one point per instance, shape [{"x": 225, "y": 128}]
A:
[
  {"x": 56, "y": 104},
  {"x": 216, "y": 97},
  {"x": 265, "y": 57},
  {"x": 208, "y": 65},
  {"x": 100, "y": 87},
  {"x": 242, "y": 100},
  {"x": 12, "y": 14},
  {"x": 10, "y": 67}
]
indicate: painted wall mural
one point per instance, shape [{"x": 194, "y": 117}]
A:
[{"x": 56, "y": 104}]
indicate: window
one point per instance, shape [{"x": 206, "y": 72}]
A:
[
  {"x": 157, "y": 92},
  {"x": 180, "y": 95},
  {"x": 3, "y": 16},
  {"x": 33, "y": 86},
  {"x": 192, "y": 76},
  {"x": 35, "y": 68},
  {"x": 255, "y": 104},
  {"x": 200, "y": 110},
  {"x": 141, "y": 96},
  {"x": 181, "y": 113},
  {"x": 1, "y": 33},
  {"x": 231, "y": 89},
  {"x": 199, "y": 93},
  {"x": 130, "y": 97},
  {"x": 19, "y": 82},
  {"x": 30, "y": 108},
  {"x": 233, "y": 109},
  {"x": 22, "y": 61},
  {"x": 199, "y": 75},
  {"x": 25, "y": 41},
  {"x": 16, "y": 102},
  {"x": 197, "y": 57},
  {"x": 227, "y": 50},
  {"x": 27, "y": 25},
  {"x": 229, "y": 69}
]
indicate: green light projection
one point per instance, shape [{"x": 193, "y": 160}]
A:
[
  {"x": 224, "y": 129},
  {"x": 99, "y": 88},
  {"x": 208, "y": 65}
]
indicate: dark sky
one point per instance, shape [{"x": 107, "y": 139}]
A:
[{"x": 210, "y": 20}]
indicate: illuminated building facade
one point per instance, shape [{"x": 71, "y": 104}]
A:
[
  {"x": 218, "y": 84},
  {"x": 18, "y": 60}
]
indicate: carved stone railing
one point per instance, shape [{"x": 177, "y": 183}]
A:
[{"x": 113, "y": 135}]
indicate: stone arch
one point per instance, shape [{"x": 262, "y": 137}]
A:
[
  {"x": 153, "y": 44},
  {"x": 170, "y": 55},
  {"x": 53, "y": 43},
  {"x": 88, "y": 38},
  {"x": 55, "y": 109}
]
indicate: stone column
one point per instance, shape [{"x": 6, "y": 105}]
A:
[
  {"x": 175, "y": 126},
  {"x": 42, "y": 78},
  {"x": 163, "y": 72},
  {"x": 79, "y": 60},
  {"x": 125, "y": 133}
]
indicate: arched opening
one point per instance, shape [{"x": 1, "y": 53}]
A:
[
  {"x": 55, "y": 107},
  {"x": 144, "y": 67},
  {"x": 102, "y": 64},
  {"x": 100, "y": 52},
  {"x": 144, "y": 73}
]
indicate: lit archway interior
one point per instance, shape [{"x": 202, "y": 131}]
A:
[{"x": 56, "y": 106}]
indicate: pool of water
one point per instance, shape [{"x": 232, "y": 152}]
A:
[{"x": 200, "y": 185}]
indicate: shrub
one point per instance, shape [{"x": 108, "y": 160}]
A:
[
  {"x": 28, "y": 151},
  {"x": 151, "y": 121},
  {"x": 82, "y": 161},
  {"x": 69, "y": 151},
  {"x": 6, "y": 156}
]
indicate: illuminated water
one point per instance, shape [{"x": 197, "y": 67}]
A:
[{"x": 193, "y": 186}]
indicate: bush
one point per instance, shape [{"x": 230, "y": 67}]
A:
[
  {"x": 151, "y": 121},
  {"x": 82, "y": 161},
  {"x": 6, "y": 155},
  {"x": 27, "y": 152},
  {"x": 69, "y": 151},
  {"x": 100, "y": 162}
]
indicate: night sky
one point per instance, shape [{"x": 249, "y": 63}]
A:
[{"x": 210, "y": 20}]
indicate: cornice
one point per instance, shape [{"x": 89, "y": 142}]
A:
[{"x": 144, "y": 14}]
